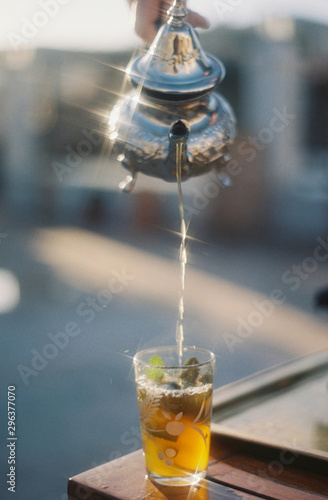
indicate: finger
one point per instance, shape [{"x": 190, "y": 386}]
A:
[
  {"x": 147, "y": 14},
  {"x": 197, "y": 20}
]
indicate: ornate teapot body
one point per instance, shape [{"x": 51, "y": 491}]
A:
[{"x": 173, "y": 100}]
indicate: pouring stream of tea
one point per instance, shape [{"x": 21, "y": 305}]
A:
[{"x": 182, "y": 255}]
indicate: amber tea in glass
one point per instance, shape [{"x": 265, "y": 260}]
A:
[{"x": 175, "y": 405}]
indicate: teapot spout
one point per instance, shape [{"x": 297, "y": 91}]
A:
[{"x": 178, "y": 135}]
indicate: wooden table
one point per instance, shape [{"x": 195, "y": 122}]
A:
[
  {"x": 241, "y": 466},
  {"x": 235, "y": 472}
]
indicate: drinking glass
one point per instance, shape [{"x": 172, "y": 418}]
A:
[{"x": 175, "y": 405}]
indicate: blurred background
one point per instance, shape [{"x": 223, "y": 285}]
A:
[{"x": 89, "y": 275}]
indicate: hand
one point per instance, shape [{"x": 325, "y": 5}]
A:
[{"x": 148, "y": 12}]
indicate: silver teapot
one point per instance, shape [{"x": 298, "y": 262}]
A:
[{"x": 173, "y": 101}]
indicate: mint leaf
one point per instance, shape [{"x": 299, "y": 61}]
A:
[
  {"x": 155, "y": 374},
  {"x": 156, "y": 360},
  {"x": 191, "y": 373}
]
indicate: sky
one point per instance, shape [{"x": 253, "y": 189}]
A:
[{"x": 106, "y": 25}]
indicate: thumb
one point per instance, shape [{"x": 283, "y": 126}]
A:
[{"x": 197, "y": 20}]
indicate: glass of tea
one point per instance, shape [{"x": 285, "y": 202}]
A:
[{"x": 175, "y": 404}]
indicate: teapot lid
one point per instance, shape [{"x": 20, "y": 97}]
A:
[{"x": 176, "y": 67}]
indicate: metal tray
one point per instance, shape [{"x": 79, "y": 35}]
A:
[{"x": 285, "y": 407}]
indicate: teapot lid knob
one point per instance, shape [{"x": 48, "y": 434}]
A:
[{"x": 177, "y": 12}]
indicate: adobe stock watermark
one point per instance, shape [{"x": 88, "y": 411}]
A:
[
  {"x": 3, "y": 236},
  {"x": 275, "y": 468},
  {"x": 298, "y": 273},
  {"x": 86, "y": 311},
  {"x": 30, "y": 27},
  {"x": 130, "y": 441},
  {"x": 74, "y": 158},
  {"x": 249, "y": 150},
  {"x": 293, "y": 278},
  {"x": 224, "y": 7},
  {"x": 246, "y": 327}
]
